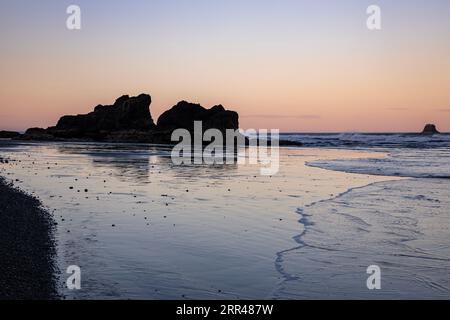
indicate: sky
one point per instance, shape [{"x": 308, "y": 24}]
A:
[{"x": 293, "y": 65}]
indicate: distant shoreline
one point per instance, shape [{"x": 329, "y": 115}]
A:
[{"x": 27, "y": 247}]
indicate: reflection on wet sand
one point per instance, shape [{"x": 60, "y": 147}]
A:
[{"x": 139, "y": 162}]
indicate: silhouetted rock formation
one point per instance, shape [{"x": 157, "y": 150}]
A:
[
  {"x": 430, "y": 129},
  {"x": 129, "y": 119},
  {"x": 184, "y": 114},
  {"x": 289, "y": 143},
  {"x": 9, "y": 134},
  {"x": 37, "y": 134},
  {"x": 125, "y": 114}
]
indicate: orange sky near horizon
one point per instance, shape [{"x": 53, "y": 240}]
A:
[{"x": 320, "y": 75}]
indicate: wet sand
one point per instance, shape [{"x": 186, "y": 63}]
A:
[
  {"x": 141, "y": 228},
  {"x": 27, "y": 250}
]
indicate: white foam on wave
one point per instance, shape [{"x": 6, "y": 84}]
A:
[
  {"x": 342, "y": 140},
  {"x": 415, "y": 163},
  {"x": 401, "y": 226}
]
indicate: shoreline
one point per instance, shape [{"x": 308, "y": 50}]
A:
[
  {"x": 380, "y": 240},
  {"x": 28, "y": 250}
]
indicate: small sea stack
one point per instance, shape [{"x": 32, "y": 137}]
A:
[
  {"x": 9, "y": 134},
  {"x": 430, "y": 129}
]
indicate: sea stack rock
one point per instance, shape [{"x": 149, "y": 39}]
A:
[
  {"x": 37, "y": 134},
  {"x": 9, "y": 134},
  {"x": 129, "y": 120},
  {"x": 127, "y": 113},
  {"x": 184, "y": 114},
  {"x": 430, "y": 129}
]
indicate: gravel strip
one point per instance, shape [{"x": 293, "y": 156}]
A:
[{"x": 27, "y": 247}]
